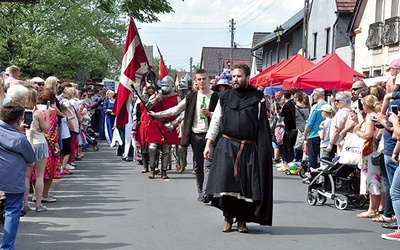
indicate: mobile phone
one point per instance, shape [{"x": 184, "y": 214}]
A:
[
  {"x": 394, "y": 109},
  {"x": 48, "y": 104},
  {"x": 360, "y": 106},
  {"x": 28, "y": 118}
]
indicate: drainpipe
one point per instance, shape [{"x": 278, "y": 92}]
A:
[{"x": 334, "y": 31}]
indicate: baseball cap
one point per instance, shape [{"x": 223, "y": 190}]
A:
[
  {"x": 318, "y": 91},
  {"x": 395, "y": 64},
  {"x": 326, "y": 108},
  {"x": 37, "y": 79}
]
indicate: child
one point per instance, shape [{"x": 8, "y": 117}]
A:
[{"x": 324, "y": 132}]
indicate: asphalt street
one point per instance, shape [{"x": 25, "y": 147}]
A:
[{"x": 108, "y": 204}]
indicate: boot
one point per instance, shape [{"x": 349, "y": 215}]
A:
[
  {"x": 182, "y": 169},
  {"x": 164, "y": 174},
  {"x": 242, "y": 226},
  {"x": 145, "y": 161},
  {"x": 227, "y": 226},
  {"x": 152, "y": 173}
]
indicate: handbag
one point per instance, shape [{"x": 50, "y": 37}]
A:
[
  {"x": 377, "y": 158},
  {"x": 352, "y": 149},
  {"x": 368, "y": 147}
]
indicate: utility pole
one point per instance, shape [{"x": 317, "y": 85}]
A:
[
  {"x": 232, "y": 26},
  {"x": 305, "y": 27},
  {"x": 191, "y": 65}
]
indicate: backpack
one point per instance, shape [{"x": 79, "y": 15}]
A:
[{"x": 279, "y": 131}]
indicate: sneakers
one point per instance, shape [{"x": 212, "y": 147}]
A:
[
  {"x": 69, "y": 167},
  {"x": 391, "y": 225},
  {"x": 26, "y": 208},
  {"x": 41, "y": 208},
  {"x": 392, "y": 236},
  {"x": 49, "y": 199}
]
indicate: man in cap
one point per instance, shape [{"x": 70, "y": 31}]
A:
[
  {"x": 312, "y": 128},
  {"x": 38, "y": 83},
  {"x": 393, "y": 83}
]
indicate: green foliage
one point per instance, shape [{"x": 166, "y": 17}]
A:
[{"x": 63, "y": 37}]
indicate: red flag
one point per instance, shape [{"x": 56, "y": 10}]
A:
[
  {"x": 134, "y": 61},
  {"x": 163, "y": 70}
]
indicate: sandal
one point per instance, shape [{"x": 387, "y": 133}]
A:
[
  {"x": 382, "y": 218},
  {"x": 366, "y": 214}
]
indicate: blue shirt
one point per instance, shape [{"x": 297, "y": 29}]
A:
[
  {"x": 315, "y": 120},
  {"x": 15, "y": 153}
]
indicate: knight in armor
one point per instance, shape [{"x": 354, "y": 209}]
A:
[
  {"x": 143, "y": 119},
  {"x": 160, "y": 132}
]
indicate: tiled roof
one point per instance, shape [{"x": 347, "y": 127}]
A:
[
  {"x": 346, "y": 5},
  {"x": 214, "y": 59},
  {"x": 298, "y": 17}
]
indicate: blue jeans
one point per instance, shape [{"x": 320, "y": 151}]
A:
[
  {"x": 313, "y": 152},
  {"x": 387, "y": 175},
  {"x": 395, "y": 192},
  {"x": 13, "y": 209}
]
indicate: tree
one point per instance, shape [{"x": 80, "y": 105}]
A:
[{"x": 63, "y": 37}]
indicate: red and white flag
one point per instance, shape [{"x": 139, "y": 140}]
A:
[
  {"x": 134, "y": 61},
  {"x": 163, "y": 70}
]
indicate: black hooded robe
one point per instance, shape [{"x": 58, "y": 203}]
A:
[{"x": 244, "y": 117}]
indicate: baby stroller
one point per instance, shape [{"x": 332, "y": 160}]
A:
[
  {"x": 336, "y": 182},
  {"x": 91, "y": 142}
]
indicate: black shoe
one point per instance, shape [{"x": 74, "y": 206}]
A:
[
  {"x": 206, "y": 199},
  {"x": 391, "y": 225}
]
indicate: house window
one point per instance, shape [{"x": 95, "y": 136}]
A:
[
  {"x": 270, "y": 57},
  {"x": 328, "y": 31},
  {"x": 287, "y": 50},
  {"x": 377, "y": 72},
  {"x": 395, "y": 8},
  {"x": 315, "y": 45},
  {"x": 378, "y": 10}
]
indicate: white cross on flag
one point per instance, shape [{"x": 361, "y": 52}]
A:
[{"x": 134, "y": 61}]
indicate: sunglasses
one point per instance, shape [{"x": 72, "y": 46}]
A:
[
  {"x": 355, "y": 89},
  {"x": 338, "y": 101},
  {"x": 40, "y": 84}
]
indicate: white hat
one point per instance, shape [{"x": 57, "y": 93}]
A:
[
  {"x": 37, "y": 79},
  {"x": 326, "y": 108}
]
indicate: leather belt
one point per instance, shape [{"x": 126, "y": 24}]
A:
[{"x": 242, "y": 142}]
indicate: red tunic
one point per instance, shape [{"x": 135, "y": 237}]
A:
[
  {"x": 143, "y": 125},
  {"x": 153, "y": 134}
]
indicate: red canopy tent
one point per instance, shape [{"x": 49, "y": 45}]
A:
[
  {"x": 331, "y": 72},
  {"x": 293, "y": 66},
  {"x": 254, "y": 80}
]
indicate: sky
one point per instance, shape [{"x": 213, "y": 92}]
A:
[{"x": 205, "y": 23}]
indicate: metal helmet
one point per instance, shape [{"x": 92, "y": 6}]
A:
[
  {"x": 221, "y": 82},
  {"x": 167, "y": 85},
  {"x": 184, "y": 83},
  {"x": 151, "y": 79}
]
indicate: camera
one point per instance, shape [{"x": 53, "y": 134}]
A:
[{"x": 28, "y": 118}]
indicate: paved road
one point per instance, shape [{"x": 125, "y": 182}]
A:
[{"x": 108, "y": 204}]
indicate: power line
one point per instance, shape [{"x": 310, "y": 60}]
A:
[
  {"x": 255, "y": 10},
  {"x": 259, "y": 14}
]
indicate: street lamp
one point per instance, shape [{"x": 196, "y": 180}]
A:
[{"x": 278, "y": 33}]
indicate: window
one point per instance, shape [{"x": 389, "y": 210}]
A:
[
  {"x": 287, "y": 50},
  {"x": 315, "y": 45},
  {"x": 395, "y": 8},
  {"x": 328, "y": 31},
  {"x": 378, "y": 10}
]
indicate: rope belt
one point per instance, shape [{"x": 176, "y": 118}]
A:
[{"x": 242, "y": 142}]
